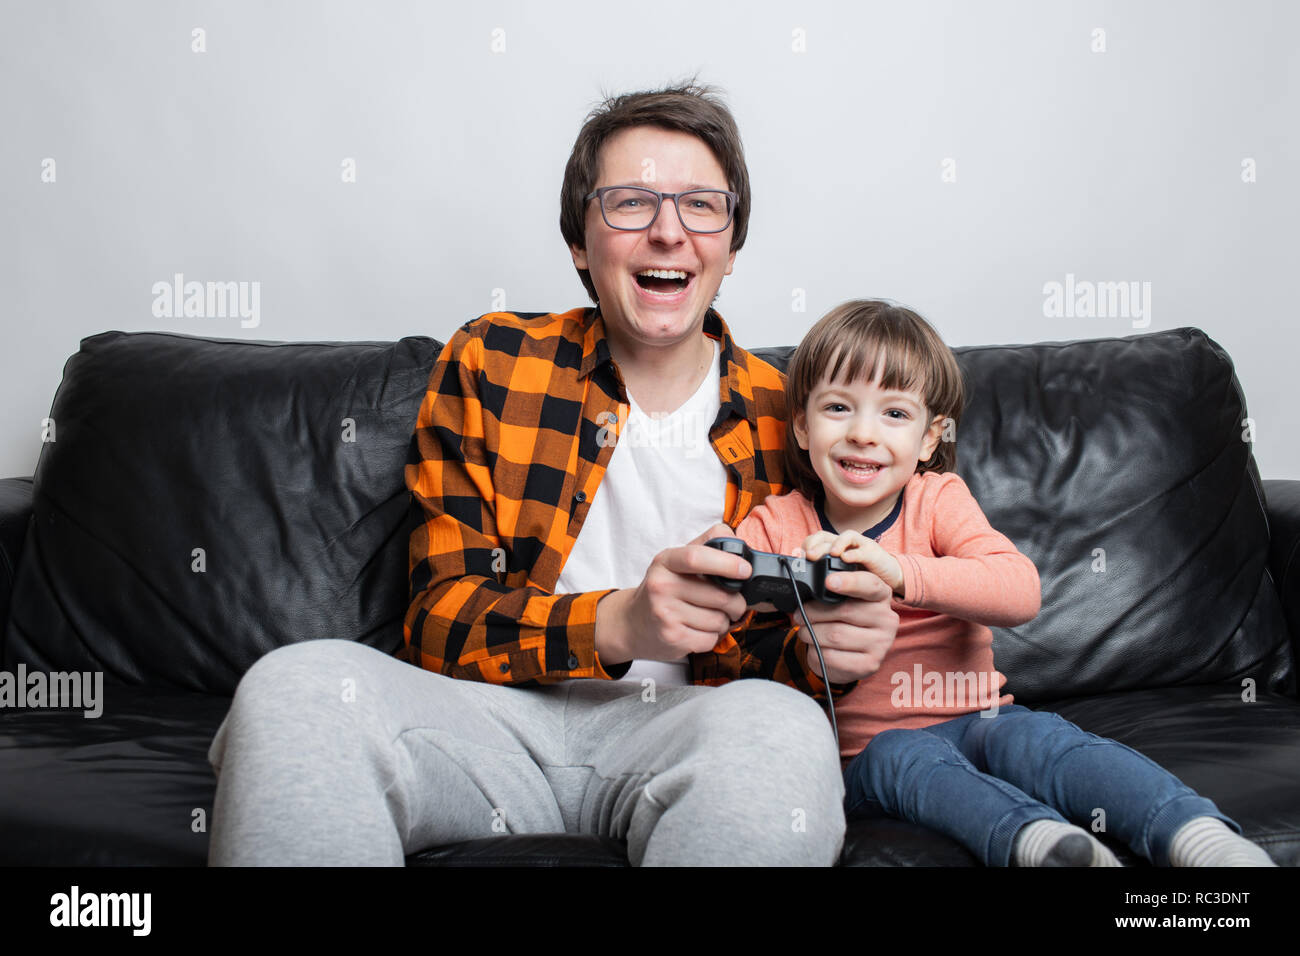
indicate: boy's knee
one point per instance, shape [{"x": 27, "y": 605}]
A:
[
  {"x": 901, "y": 751},
  {"x": 1041, "y": 737},
  {"x": 890, "y": 743}
]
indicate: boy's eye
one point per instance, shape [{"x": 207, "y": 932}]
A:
[
  {"x": 836, "y": 407},
  {"x": 899, "y": 410}
]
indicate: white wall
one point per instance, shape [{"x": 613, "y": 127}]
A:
[{"x": 1122, "y": 165}]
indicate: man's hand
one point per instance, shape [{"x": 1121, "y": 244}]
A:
[
  {"x": 855, "y": 634},
  {"x": 856, "y": 548},
  {"x": 674, "y": 611}
]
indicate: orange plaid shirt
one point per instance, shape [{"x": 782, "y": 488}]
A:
[{"x": 512, "y": 441}]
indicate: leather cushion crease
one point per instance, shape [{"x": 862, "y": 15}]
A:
[{"x": 206, "y": 500}]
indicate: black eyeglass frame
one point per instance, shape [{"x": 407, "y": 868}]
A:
[{"x": 659, "y": 204}]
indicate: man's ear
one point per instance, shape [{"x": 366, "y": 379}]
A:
[
  {"x": 800, "y": 422},
  {"x": 579, "y": 256}
]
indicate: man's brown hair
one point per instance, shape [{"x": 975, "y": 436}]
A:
[
  {"x": 851, "y": 342},
  {"x": 688, "y": 108}
]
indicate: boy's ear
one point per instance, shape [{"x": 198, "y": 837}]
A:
[{"x": 932, "y": 438}]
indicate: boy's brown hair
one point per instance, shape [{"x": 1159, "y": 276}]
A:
[
  {"x": 687, "y": 108},
  {"x": 847, "y": 344}
]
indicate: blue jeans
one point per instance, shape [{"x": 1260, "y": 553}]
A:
[{"x": 980, "y": 779}]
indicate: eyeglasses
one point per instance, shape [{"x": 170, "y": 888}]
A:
[{"x": 633, "y": 208}]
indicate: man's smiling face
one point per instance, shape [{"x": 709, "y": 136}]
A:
[{"x": 636, "y": 315}]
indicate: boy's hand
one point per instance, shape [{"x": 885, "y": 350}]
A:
[
  {"x": 856, "y": 634},
  {"x": 857, "y": 548}
]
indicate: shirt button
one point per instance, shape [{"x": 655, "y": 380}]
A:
[
  {"x": 573, "y": 661},
  {"x": 505, "y": 668},
  {"x": 580, "y": 497}
]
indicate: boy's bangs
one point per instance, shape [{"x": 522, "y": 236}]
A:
[{"x": 862, "y": 359}]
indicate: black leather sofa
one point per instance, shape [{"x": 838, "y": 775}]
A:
[{"x": 204, "y": 501}]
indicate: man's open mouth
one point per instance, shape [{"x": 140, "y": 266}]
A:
[{"x": 663, "y": 281}]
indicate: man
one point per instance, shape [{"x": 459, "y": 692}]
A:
[{"x": 561, "y": 461}]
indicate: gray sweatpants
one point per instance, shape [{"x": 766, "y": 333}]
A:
[{"x": 335, "y": 753}]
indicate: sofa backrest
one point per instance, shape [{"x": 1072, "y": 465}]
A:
[
  {"x": 1123, "y": 469},
  {"x": 206, "y": 501},
  {"x": 1117, "y": 465}
]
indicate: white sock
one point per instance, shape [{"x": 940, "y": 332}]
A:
[
  {"x": 1053, "y": 843},
  {"x": 1207, "y": 841}
]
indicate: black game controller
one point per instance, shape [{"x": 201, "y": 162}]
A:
[{"x": 771, "y": 582}]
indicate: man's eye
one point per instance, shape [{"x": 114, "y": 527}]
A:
[{"x": 629, "y": 203}]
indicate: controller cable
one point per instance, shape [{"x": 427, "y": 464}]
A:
[{"x": 830, "y": 703}]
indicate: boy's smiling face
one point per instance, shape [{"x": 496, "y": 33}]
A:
[{"x": 864, "y": 443}]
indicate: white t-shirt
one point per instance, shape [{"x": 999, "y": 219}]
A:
[{"x": 663, "y": 487}]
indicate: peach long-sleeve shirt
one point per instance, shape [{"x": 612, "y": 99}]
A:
[{"x": 960, "y": 576}]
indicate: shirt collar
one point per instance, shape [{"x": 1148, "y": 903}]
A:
[
  {"x": 734, "y": 390},
  {"x": 874, "y": 532},
  {"x": 595, "y": 348}
]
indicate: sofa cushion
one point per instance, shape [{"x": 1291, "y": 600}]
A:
[
  {"x": 206, "y": 501},
  {"x": 121, "y": 789},
  {"x": 1121, "y": 468}
]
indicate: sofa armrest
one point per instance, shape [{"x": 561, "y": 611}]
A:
[
  {"x": 1283, "y": 500},
  {"x": 15, "y": 512}
]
